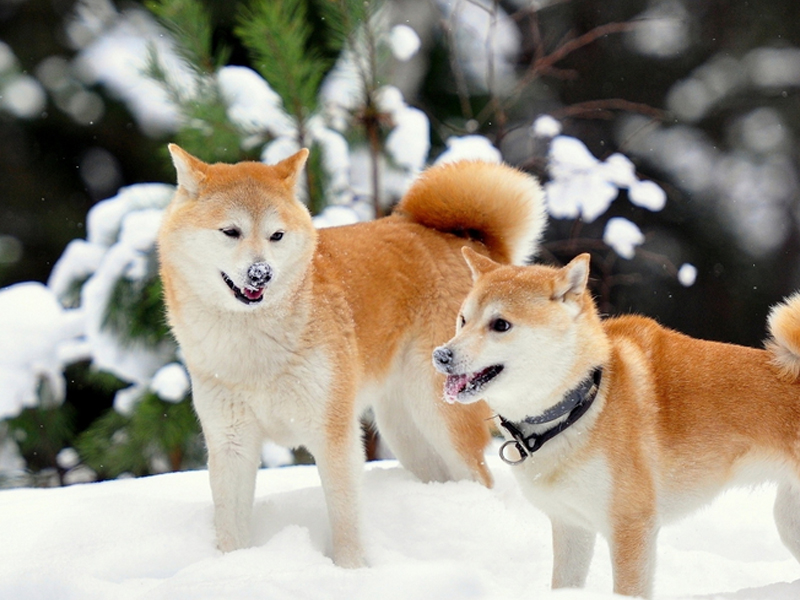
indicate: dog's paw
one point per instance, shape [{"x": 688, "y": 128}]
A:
[
  {"x": 348, "y": 560},
  {"x": 228, "y": 543},
  {"x": 226, "y": 547}
]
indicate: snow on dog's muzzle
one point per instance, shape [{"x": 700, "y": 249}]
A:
[
  {"x": 258, "y": 276},
  {"x": 443, "y": 359}
]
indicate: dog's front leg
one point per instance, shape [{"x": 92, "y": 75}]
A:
[
  {"x": 233, "y": 441},
  {"x": 340, "y": 461},
  {"x": 633, "y": 558},
  {"x": 572, "y": 553}
]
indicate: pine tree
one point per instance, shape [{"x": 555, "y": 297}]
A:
[{"x": 205, "y": 129}]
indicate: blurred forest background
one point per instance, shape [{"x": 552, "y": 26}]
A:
[{"x": 702, "y": 95}]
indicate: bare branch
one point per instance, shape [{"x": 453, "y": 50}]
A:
[
  {"x": 462, "y": 90},
  {"x": 603, "y": 109},
  {"x": 545, "y": 65},
  {"x": 587, "y": 38},
  {"x": 495, "y": 104}
]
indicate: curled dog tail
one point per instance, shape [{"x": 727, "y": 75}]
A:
[
  {"x": 783, "y": 324},
  {"x": 486, "y": 202}
]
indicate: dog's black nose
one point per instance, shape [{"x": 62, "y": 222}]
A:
[
  {"x": 443, "y": 355},
  {"x": 259, "y": 274}
]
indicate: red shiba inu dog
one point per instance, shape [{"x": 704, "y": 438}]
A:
[
  {"x": 290, "y": 333},
  {"x": 618, "y": 426}
]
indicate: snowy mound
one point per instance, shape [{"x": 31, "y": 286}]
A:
[{"x": 152, "y": 538}]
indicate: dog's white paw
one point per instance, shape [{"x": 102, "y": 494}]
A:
[
  {"x": 228, "y": 543},
  {"x": 350, "y": 560}
]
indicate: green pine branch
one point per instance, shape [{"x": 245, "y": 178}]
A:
[
  {"x": 115, "y": 444},
  {"x": 278, "y": 36},
  {"x": 342, "y": 19},
  {"x": 42, "y": 432},
  {"x": 191, "y": 25},
  {"x": 135, "y": 312},
  {"x": 205, "y": 130}
]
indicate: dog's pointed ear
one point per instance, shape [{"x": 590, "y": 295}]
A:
[
  {"x": 477, "y": 263},
  {"x": 572, "y": 280},
  {"x": 191, "y": 171},
  {"x": 289, "y": 169}
]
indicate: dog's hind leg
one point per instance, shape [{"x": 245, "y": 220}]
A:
[
  {"x": 434, "y": 440},
  {"x": 340, "y": 461},
  {"x": 573, "y": 548},
  {"x": 406, "y": 440},
  {"x": 787, "y": 515}
]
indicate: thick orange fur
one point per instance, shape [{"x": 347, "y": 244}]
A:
[
  {"x": 503, "y": 225},
  {"x": 784, "y": 343},
  {"x": 347, "y": 321},
  {"x": 676, "y": 420}
]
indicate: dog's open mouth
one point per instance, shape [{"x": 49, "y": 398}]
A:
[
  {"x": 247, "y": 295},
  {"x": 461, "y": 387}
]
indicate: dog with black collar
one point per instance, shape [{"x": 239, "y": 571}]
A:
[{"x": 619, "y": 426}]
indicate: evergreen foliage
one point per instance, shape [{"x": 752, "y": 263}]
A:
[
  {"x": 190, "y": 24},
  {"x": 278, "y": 36},
  {"x": 40, "y": 451},
  {"x": 135, "y": 311},
  {"x": 342, "y": 19},
  {"x": 316, "y": 180},
  {"x": 205, "y": 129},
  {"x": 157, "y": 436}
]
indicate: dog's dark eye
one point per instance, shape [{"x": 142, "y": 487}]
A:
[
  {"x": 461, "y": 320},
  {"x": 500, "y": 325},
  {"x": 276, "y": 237},
  {"x": 231, "y": 232}
]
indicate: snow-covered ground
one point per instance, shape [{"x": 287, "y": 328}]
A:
[{"x": 152, "y": 538}]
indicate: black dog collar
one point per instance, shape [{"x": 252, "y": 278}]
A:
[{"x": 575, "y": 403}]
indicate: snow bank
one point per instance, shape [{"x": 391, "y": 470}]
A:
[
  {"x": 152, "y": 538},
  {"x": 38, "y": 340}
]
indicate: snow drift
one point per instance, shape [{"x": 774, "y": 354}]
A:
[{"x": 153, "y": 538}]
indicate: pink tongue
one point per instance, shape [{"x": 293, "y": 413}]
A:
[
  {"x": 252, "y": 294},
  {"x": 453, "y": 385}
]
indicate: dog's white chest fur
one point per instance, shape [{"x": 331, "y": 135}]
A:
[
  {"x": 578, "y": 494},
  {"x": 235, "y": 362}
]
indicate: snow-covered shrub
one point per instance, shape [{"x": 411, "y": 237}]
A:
[{"x": 584, "y": 187}]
